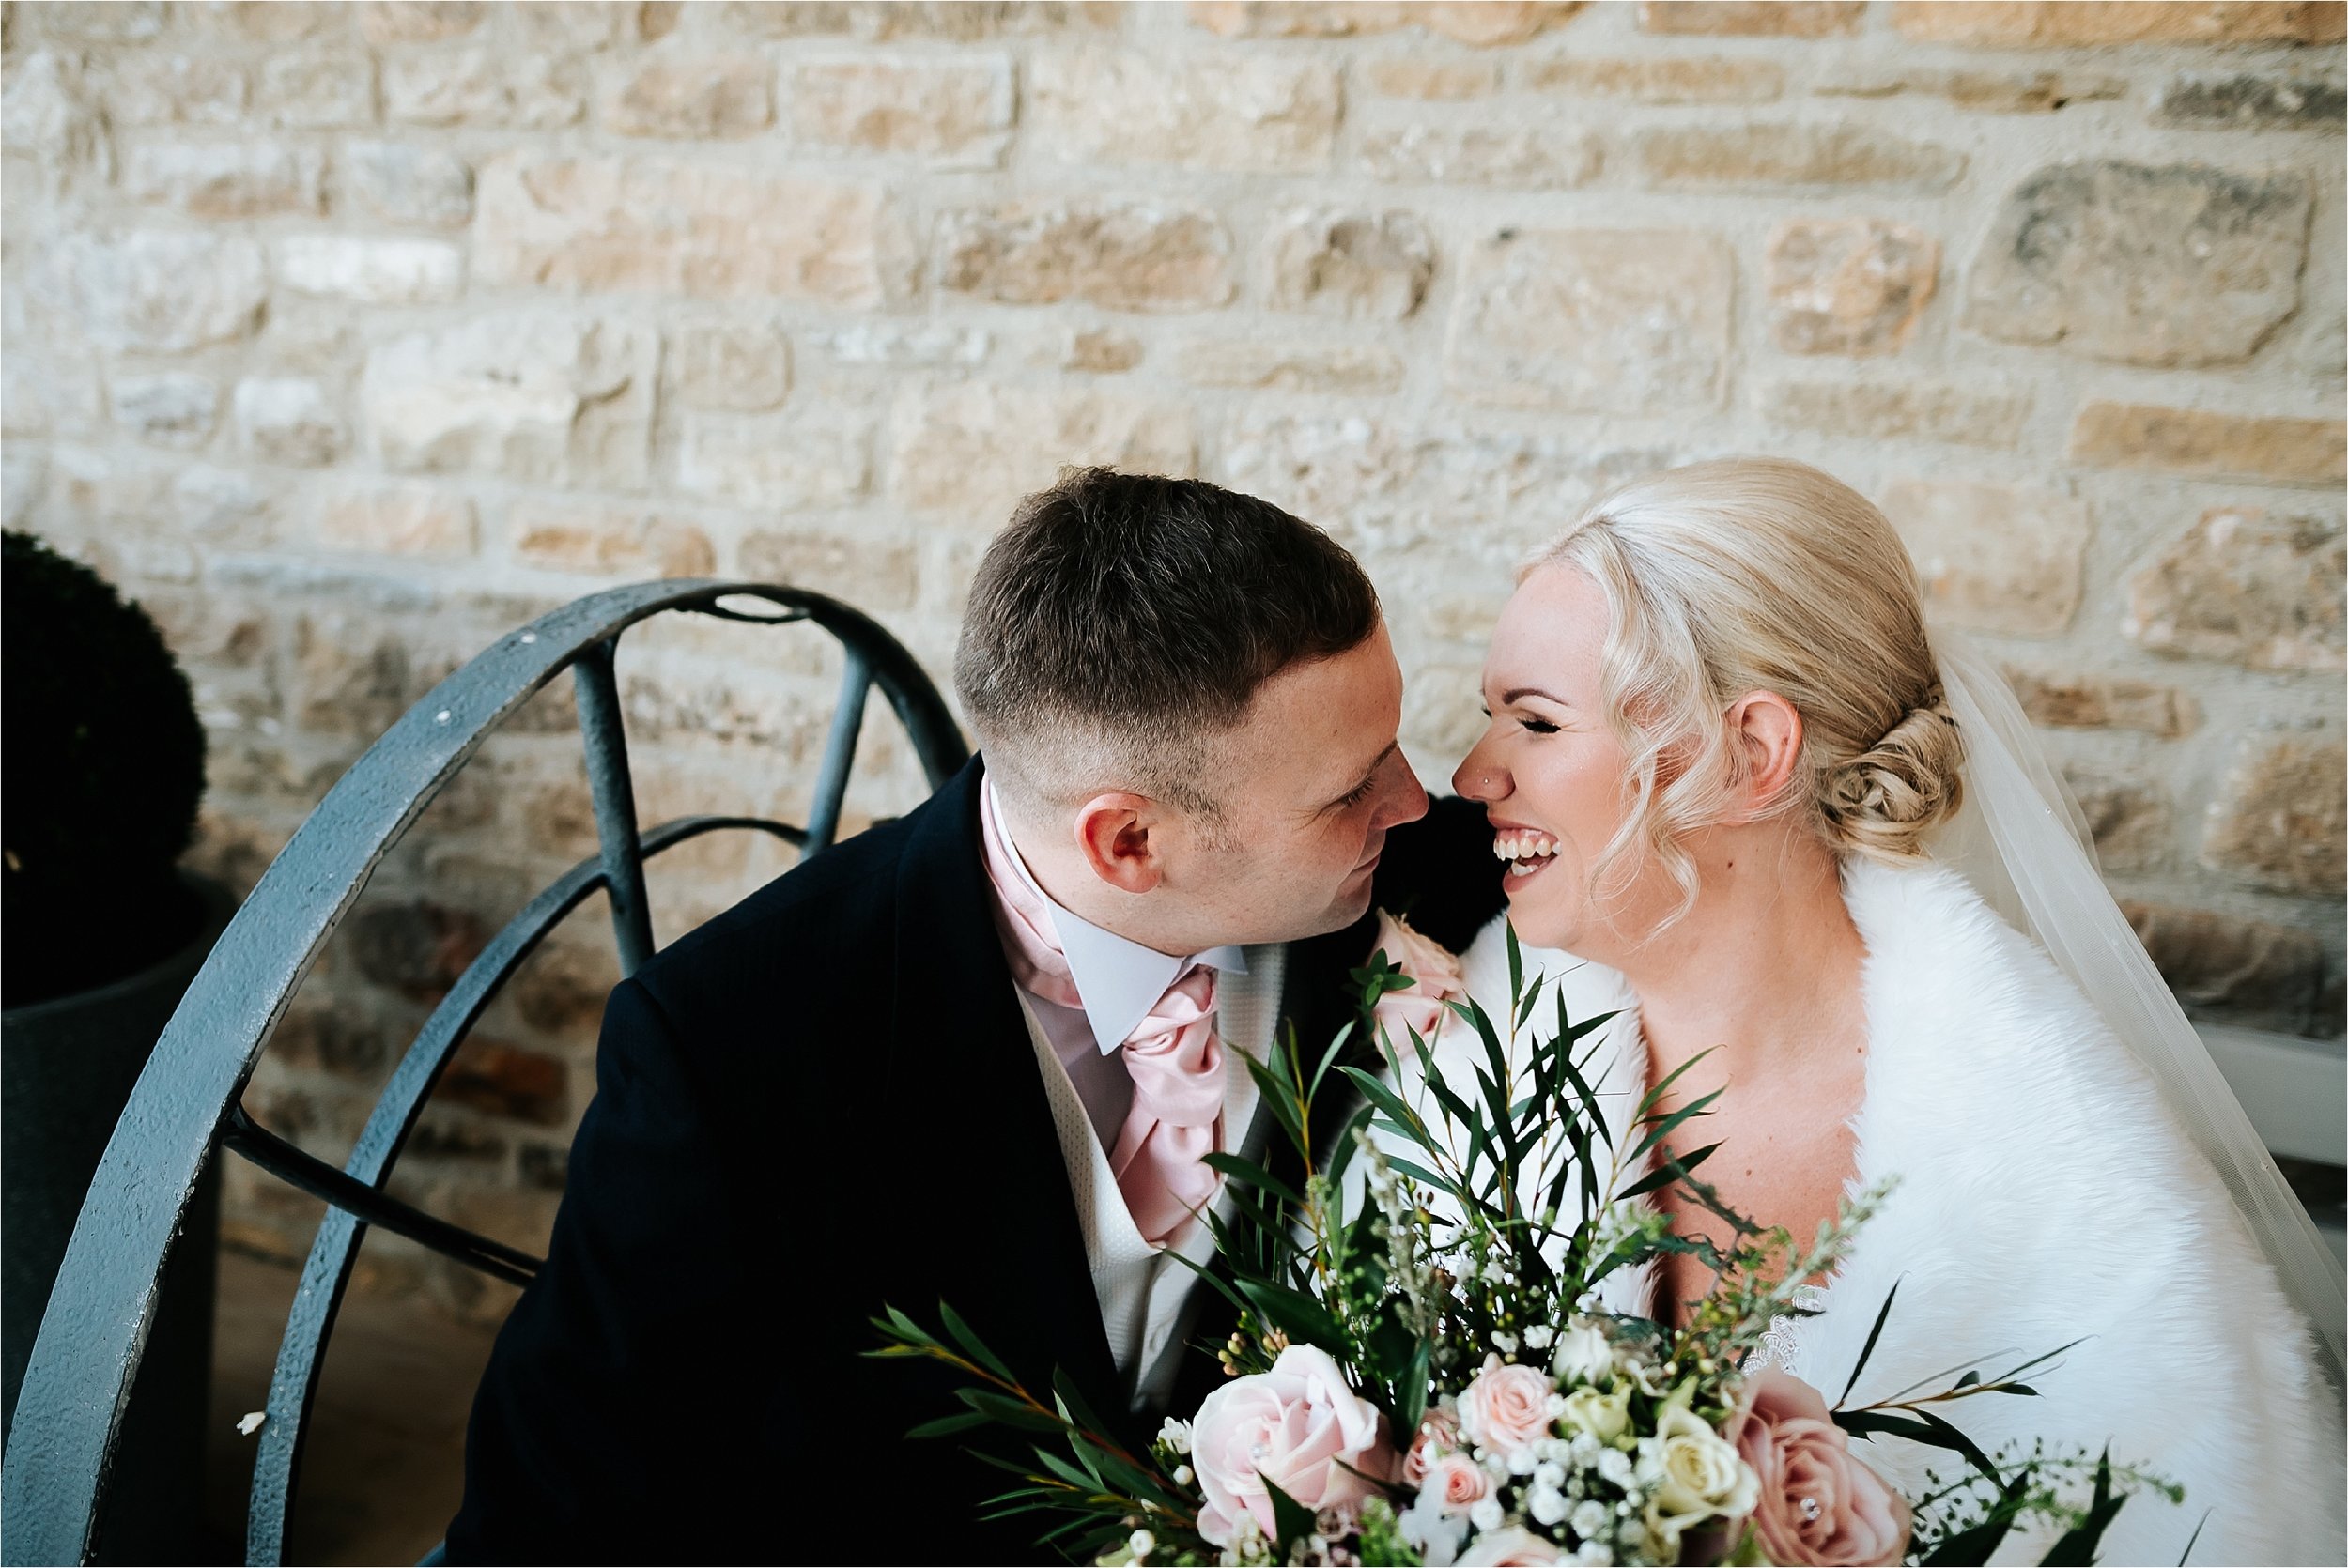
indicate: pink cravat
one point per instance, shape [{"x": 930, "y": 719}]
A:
[{"x": 1173, "y": 1056}]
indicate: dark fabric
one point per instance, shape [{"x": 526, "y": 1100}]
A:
[{"x": 820, "y": 1102}]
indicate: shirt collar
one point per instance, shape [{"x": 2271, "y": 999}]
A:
[{"x": 1118, "y": 980}]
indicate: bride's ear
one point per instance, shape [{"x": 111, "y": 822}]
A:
[{"x": 1767, "y": 732}]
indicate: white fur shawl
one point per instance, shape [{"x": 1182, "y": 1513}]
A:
[{"x": 2044, "y": 1195}]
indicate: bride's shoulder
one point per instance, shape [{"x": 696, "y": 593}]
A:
[{"x": 1958, "y": 1000}]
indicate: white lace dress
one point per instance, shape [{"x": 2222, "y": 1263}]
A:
[{"x": 2044, "y": 1195}]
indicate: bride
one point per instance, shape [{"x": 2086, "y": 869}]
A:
[{"x": 1746, "y": 800}]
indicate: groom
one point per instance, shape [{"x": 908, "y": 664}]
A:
[{"x": 974, "y": 1055}]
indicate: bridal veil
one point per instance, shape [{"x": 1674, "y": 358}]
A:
[{"x": 2021, "y": 841}]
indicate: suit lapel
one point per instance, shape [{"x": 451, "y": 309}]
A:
[{"x": 999, "y": 1231}]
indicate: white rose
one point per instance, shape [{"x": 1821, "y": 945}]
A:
[
  {"x": 1584, "y": 1354},
  {"x": 1513, "y": 1547}
]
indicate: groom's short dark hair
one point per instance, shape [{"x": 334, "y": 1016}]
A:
[{"x": 1122, "y": 621}]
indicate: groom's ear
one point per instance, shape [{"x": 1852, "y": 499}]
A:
[
  {"x": 1767, "y": 732},
  {"x": 1118, "y": 836}
]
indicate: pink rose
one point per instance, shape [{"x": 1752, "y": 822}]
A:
[
  {"x": 1506, "y": 1408},
  {"x": 1438, "y": 1432},
  {"x": 1513, "y": 1547},
  {"x": 1436, "y": 979},
  {"x": 1455, "y": 1482},
  {"x": 1819, "y": 1506},
  {"x": 1297, "y": 1427}
]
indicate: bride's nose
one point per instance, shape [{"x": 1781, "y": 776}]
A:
[{"x": 1479, "y": 777}]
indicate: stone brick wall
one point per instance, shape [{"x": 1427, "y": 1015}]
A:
[{"x": 347, "y": 336}]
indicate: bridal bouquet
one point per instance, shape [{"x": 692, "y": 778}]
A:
[{"x": 1423, "y": 1371}]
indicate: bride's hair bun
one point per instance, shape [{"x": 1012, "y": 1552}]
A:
[{"x": 1881, "y": 802}]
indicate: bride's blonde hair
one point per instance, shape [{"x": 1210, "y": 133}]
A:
[{"x": 1759, "y": 574}]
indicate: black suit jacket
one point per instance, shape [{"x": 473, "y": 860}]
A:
[{"x": 820, "y": 1102}]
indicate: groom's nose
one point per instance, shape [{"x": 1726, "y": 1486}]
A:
[{"x": 1405, "y": 796}]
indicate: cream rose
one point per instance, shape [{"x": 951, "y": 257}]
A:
[
  {"x": 1436, "y": 979},
  {"x": 1603, "y": 1416},
  {"x": 1513, "y": 1547},
  {"x": 1702, "y": 1478},
  {"x": 1298, "y": 1427},
  {"x": 1506, "y": 1408},
  {"x": 1818, "y": 1506}
]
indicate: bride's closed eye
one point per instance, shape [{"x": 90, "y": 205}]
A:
[{"x": 1529, "y": 724}]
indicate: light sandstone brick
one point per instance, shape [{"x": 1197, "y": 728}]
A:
[
  {"x": 783, "y": 19},
  {"x": 132, "y": 21},
  {"x": 1485, "y": 24},
  {"x": 224, "y": 506},
  {"x": 971, "y": 21},
  {"x": 317, "y": 86},
  {"x": 735, "y": 367},
  {"x": 883, "y": 343},
  {"x": 2190, "y": 441},
  {"x": 51, "y": 121},
  {"x": 2130, "y": 821},
  {"x": 521, "y": 90},
  {"x": 871, "y": 573},
  {"x": 2247, "y": 587},
  {"x": 689, "y": 97},
  {"x": 607, "y": 541},
  {"x": 662, "y": 225},
  {"x": 1989, "y": 92},
  {"x": 1254, "y": 113},
  {"x": 158, "y": 292},
  {"x": 1124, "y": 255},
  {"x": 1534, "y": 157},
  {"x": 952, "y": 113},
  {"x": 1875, "y": 410},
  {"x": 1661, "y": 81},
  {"x": 1366, "y": 265},
  {"x": 372, "y": 272},
  {"x": 2249, "y": 971},
  {"x": 814, "y": 456},
  {"x": 2281, "y": 823},
  {"x": 527, "y": 393},
  {"x": 2072, "y": 23},
  {"x": 2175, "y": 264},
  {"x": 399, "y": 183},
  {"x": 1848, "y": 285},
  {"x": 1095, "y": 351},
  {"x": 170, "y": 409},
  {"x": 227, "y": 179},
  {"x": 1791, "y": 19},
  {"x": 419, "y": 20},
  {"x": 1618, "y": 321},
  {"x": 398, "y": 519},
  {"x": 1793, "y": 156},
  {"x": 166, "y": 89},
  {"x": 564, "y": 25},
  {"x": 973, "y": 449},
  {"x": 289, "y": 420},
  {"x": 2080, "y": 701},
  {"x": 2242, "y": 101},
  {"x": 257, "y": 20},
  {"x": 1994, "y": 557},
  {"x": 1428, "y": 80},
  {"x": 1288, "y": 366}
]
